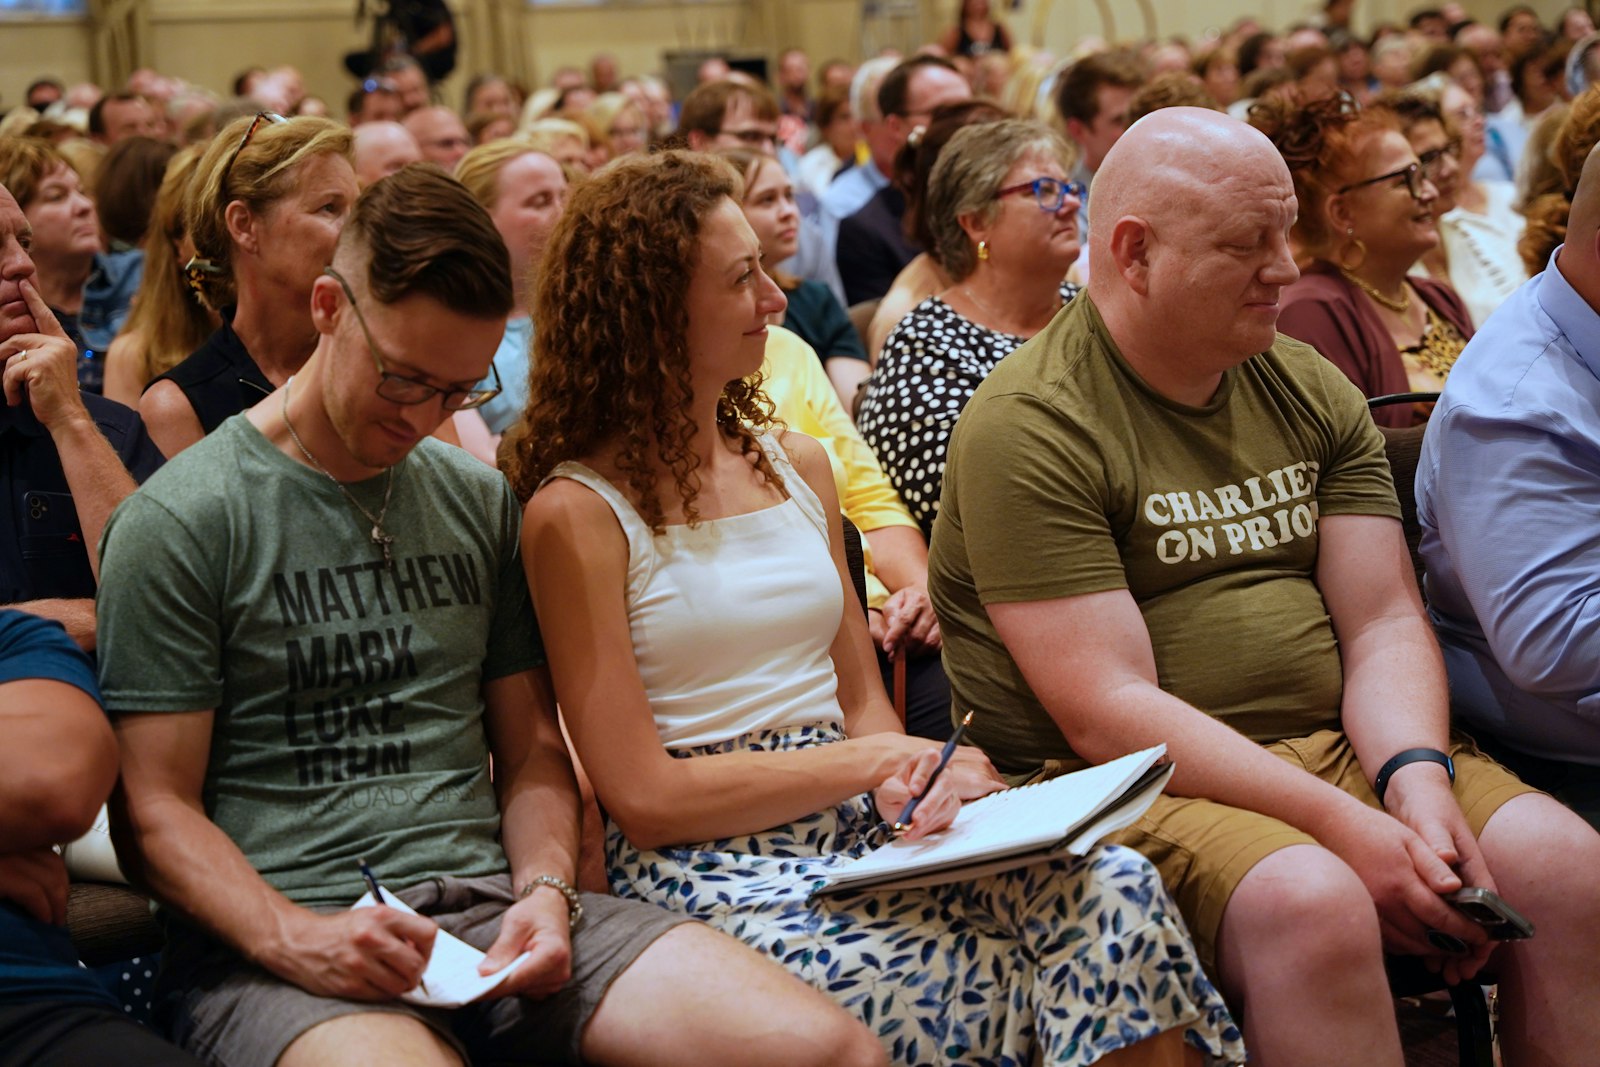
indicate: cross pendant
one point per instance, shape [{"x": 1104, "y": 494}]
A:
[{"x": 383, "y": 541}]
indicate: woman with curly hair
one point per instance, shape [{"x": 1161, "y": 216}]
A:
[
  {"x": 1366, "y": 217},
  {"x": 686, "y": 563},
  {"x": 1547, "y": 212},
  {"x": 266, "y": 204}
]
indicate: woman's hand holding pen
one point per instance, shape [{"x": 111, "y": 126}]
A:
[
  {"x": 360, "y": 954},
  {"x": 938, "y": 805},
  {"x": 539, "y": 925}
]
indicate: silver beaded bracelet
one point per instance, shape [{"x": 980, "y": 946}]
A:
[{"x": 574, "y": 902}]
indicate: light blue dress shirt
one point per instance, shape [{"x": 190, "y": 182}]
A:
[
  {"x": 1508, "y": 494},
  {"x": 511, "y": 360}
]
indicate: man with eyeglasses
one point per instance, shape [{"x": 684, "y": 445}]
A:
[
  {"x": 730, "y": 113},
  {"x": 318, "y": 635},
  {"x": 1165, "y": 522}
]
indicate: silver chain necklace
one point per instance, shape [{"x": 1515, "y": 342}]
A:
[{"x": 379, "y": 538}]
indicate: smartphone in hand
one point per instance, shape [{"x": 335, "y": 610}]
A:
[{"x": 1500, "y": 920}]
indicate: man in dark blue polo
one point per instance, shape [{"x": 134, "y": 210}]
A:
[{"x": 66, "y": 458}]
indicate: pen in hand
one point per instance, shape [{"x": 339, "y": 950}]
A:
[
  {"x": 903, "y": 823},
  {"x": 377, "y": 895}
]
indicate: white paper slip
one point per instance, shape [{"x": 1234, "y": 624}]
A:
[
  {"x": 452, "y": 974},
  {"x": 1016, "y": 827}
]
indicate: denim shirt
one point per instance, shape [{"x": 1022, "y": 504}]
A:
[{"x": 1508, "y": 494}]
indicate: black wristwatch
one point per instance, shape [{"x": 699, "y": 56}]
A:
[{"x": 1380, "y": 785}]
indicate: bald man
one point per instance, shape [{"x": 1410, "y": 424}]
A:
[
  {"x": 1511, "y": 459},
  {"x": 1163, "y": 522},
  {"x": 381, "y": 148},
  {"x": 440, "y": 134}
]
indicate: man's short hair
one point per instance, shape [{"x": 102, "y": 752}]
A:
[
  {"x": 1175, "y": 88},
  {"x": 422, "y": 232},
  {"x": 395, "y": 64},
  {"x": 705, "y": 106},
  {"x": 895, "y": 89},
  {"x": 1078, "y": 90},
  {"x": 1513, "y": 11},
  {"x": 43, "y": 83},
  {"x": 1424, "y": 14},
  {"x": 97, "y": 114}
]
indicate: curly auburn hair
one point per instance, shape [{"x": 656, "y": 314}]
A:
[
  {"x": 1324, "y": 143},
  {"x": 1548, "y": 209},
  {"x": 610, "y": 356}
]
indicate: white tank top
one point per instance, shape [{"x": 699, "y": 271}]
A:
[{"x": 732, "y": 619}]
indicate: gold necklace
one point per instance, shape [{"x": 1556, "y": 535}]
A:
[
  {"x": 378, "y": 536},
  {"x": 1399, "y": 307}
]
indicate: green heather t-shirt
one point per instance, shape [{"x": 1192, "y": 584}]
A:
[
  {"x": 348, "y": 697},
  {"x": 1068, "y": 475}
]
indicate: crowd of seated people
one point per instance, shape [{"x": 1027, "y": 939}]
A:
[{"x": 464, "y": 491}]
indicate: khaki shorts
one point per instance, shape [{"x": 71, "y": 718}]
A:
[{"x": 1204, "y": 849}]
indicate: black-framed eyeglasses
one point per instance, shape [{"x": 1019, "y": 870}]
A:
[
  {"x": 397, "y": 388},
  {"x": 1413, "y": 176},
  {"x": 262, "y": 117},
  {"x": 1430, "y": 159},
  {"x": 753, "y": 137},
  {"x": 1048, "y": 193}
]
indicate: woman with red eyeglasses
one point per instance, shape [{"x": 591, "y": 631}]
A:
[
  {"x": 1366, "y": 218},
  {"x": 266, "y": 205}
]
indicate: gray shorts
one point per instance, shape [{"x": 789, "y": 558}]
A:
[{"x": 230, "y": 1012}]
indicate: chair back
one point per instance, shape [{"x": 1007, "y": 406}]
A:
[{"x": 1403, "y": 448}]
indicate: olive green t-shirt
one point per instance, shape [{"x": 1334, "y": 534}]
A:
[
  {"x": 348, "y": 696},
  {"x": 1069, "y": 475}
]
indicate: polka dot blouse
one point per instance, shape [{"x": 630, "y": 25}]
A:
[{"x": 930, "y": 366}]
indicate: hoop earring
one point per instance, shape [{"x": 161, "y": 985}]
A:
[
  {"x": 983, "y": 250},
  {"x": 1360, "y": 247}
]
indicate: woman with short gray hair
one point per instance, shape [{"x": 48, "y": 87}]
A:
[{"x": 1004, "y": 219}]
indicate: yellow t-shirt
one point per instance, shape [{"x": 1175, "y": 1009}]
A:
[
  {"x": 1069, "y": 475},
  {"x": 806, "y": 402}
]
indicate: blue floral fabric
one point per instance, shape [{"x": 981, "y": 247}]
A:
[{"x": 1056, "y": 963}]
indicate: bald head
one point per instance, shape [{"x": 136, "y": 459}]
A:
[
  {"x": 1183, "y": 152},
  {"x": 440, "y": 134},
  {"x": 381, "y": 148},
  {"x": 1189, "y": 224}
]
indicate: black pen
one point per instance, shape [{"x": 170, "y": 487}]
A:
[
  {"x": 377, "y": 895},
  {"x": 903, "y": 823}
]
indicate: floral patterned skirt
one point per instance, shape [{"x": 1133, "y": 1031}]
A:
[{"x": 1056, "y": 963}]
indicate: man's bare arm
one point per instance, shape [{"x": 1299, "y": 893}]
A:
[
  {"x": 76, "y": 614},
  {"x": 166, "y": 843},
  {"x": 57, "y": 763}
]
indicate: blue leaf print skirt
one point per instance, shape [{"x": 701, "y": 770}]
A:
[{"x": 1056, "y": 963}]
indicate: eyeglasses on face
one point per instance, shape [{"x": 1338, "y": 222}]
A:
[
  {"x": 397, "y": 388},
  {"x": 753, "y": 137},
  {"x": 1412, "y": 175},
  {"x": 1431, "y": 158},
  {"x": 262, "y": 118},
  {"x": 1048, "y": 193}
]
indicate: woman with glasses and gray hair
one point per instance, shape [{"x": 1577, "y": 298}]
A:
[
  {"x": 1366, "y": 218},
  {"x": 1004, "y": 220},
  {"x": 266, "y": 205}
]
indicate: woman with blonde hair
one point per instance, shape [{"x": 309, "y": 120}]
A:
[
  {"x": 718, "y": 682},
  {"x": 267, "y": 202},
  {"x": 622, "y": 122},
  {"x": 523, "y": 189},
  {"x": 168, "y": 321}
]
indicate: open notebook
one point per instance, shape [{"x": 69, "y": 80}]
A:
[
  {"x": 452, "y": 974},
  {"x": 1016, "y": 827}
]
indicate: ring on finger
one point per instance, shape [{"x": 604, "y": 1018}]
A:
[{"x": 22, "y": 355}]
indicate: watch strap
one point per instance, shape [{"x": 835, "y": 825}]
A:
[{"x": 1380, "y": 784}]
